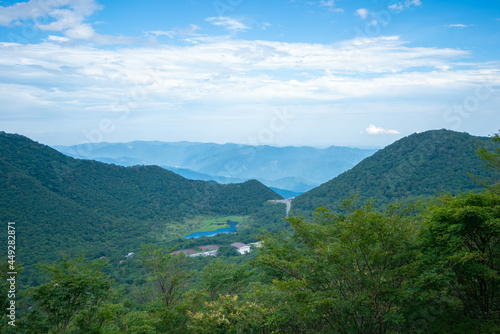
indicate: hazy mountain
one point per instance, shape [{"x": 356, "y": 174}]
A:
[
  {"x": 63, "y": 204},
  {"x": 419, "y": 165},
  {"x": 292, "y": 168}
]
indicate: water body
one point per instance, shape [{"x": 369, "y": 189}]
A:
[{"x": 231, "y": 229}]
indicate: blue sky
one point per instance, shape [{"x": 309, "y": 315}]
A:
[{"x": 354, "y": 73}]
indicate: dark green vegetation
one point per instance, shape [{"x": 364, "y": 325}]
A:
[
  {"x": 64, "y": 204},
  {"x": 415, "y": 167},
  {"x": 297, "y": 169},
  {"x": 421, "y": 267}
]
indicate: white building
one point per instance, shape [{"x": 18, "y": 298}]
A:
[{"x": 241, "y": 247}]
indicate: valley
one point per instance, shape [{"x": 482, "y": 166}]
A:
[
  {"x": 140, "y": 224},
  {"x": 249, "y": 167}
]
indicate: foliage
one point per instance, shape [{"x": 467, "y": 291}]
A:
[
  {"x": 430, "y": 268},
  {"x": 462, "y": 244},
  {"x": 492, "y": 160},
  {"x": 227, "y": 315},
  {"x": 75, "y": 288},
  {"x": 413, "y": 168},
  {"x": 219, "y": 278},
  {"x": 170, "y": 275},
  {"x": 103, "y": 209},
  {"x": 167, "y": 271},
  {"x": 347, "y": 272}
]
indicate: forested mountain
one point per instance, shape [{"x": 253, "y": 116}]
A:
[
  {"x": 293, "y": 168},
  {"x": 426, "y": 269},
  {"x": 420, "y": 165},
  {"x": 64, "y": 204}
]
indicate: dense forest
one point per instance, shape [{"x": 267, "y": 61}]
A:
[
  {"x": 61, "y": 204},
  {"x": 370, "y": 264},
  {"x": 414, "y": 167}
]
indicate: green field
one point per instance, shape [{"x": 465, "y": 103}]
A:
[
  {"x": 212, "y": 224},
  {"x": 175, "y": 230}
]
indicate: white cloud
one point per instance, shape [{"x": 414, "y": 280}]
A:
[
  {"x": 228, "y": 23},
  {"x": 226, "y": 70},
  {"x": 402, "y": 5},
  {"x": 362, "y": 12},
  {"x": 169, "y": 33},
  {"x": 327, "y": 3},
  {"x": 373, "y": 130},
  {"x": 66, "y": 13},
  {"x": 265, "y": 25},
  {"x": 459, "y": 25},
  {"x": 60, "y": 39},
  {"x": 67, "y": 16},
  {"x": 330, "y": 4},
  {"x": 189, "y": 31},
  {"x": 171, "y": 85}
]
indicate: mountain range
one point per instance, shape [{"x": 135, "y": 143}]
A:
[
  {"x": 417, "y": 166},
  {"x": 62, "y": 204},
  {"x": 293, "y": 169}
]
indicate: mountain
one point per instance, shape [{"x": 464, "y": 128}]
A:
[
  {"x": 419, "y": 165},
  {"x": 64, "y": 204},
  {"x": 297, "y": 169}
]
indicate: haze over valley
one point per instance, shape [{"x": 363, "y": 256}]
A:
[{"x": 295, "y": 169}]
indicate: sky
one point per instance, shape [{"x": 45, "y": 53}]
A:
[{"x": 284, "y": 72}]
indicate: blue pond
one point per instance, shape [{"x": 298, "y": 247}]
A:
[{"x": 212, "y": 233}]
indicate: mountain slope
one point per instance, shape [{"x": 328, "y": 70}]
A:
[
  {"x": 421, "y": 164},
  {"x": 292, "y": 168},
  {"x": 62, "y": 204}
]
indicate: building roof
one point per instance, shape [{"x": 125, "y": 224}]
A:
[
  {"x": 209, "y": 247},
  {"x": 239, "y": 245},
  {"x": 185, "y": 251}
]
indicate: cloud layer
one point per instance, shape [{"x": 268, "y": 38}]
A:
[
  {"x": 222, "y": 69},
  {"x": 66, "y": 16},
  {"x": 191, "y": 82},
  {"x": 235, "y": 84}
]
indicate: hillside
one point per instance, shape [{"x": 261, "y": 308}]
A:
[
  {"x": 419, "y": 165},
  {"x": 64, "y": 204},
  {"x": 292, "y": 168}
]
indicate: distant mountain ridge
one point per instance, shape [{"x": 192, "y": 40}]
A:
[
  {"x": 296, "y": 169},
  {"x": 60, "y": 203},
  {"x": 420, "y": 165}
]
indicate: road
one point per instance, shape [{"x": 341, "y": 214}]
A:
[{"x": 287, "y": 201}]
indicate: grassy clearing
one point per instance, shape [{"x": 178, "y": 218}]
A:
[
  {"x": 212, "y": 224},
  {"x": 176, "y": 230}
]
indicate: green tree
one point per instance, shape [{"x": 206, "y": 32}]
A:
[
  {"x": 168, "y": 271},
  {"x": 462, "y": 245},
  {"x": 225, "y": 279},
  {"x": 345, "y": 273},
  {"x": 492, "y": 160},
  {"x": 170, "y": 275},
  {"x": 75, "y": 286},
  {"x": 227, "y": 250},
  {"x": 227, "y": 315}
]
